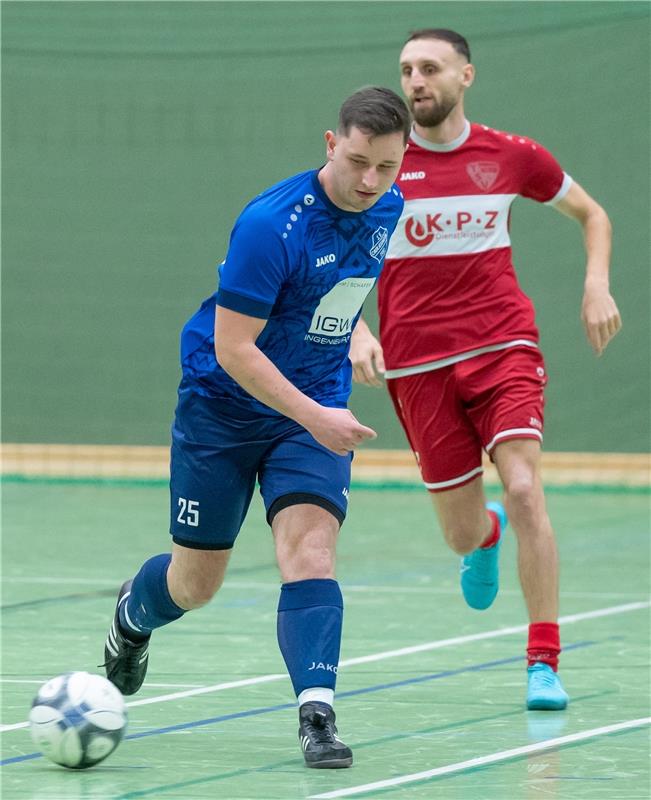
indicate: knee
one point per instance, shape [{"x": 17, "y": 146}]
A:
[
  {"x": 194, "y": 576},
  {"x": 523, "y": 497},
  {"x": 306, "y": 563},
  {"x": 462, "y": 538},
  {"x": 194, "y": 593},
  {"x": 316, "y": 562}
]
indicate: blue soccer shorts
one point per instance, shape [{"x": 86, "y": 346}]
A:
[{"x": 220, "y": 449}]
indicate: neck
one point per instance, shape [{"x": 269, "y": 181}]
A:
[
  {"x": 323, "y": 176},
  {"x": 447, "y": 131}
]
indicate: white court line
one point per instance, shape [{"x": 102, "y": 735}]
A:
[
  {"x": 348, "y": 588},
  {"x": 58, "y": 581},
  {"x": 419, "y": 648},
  {"x": 158, "y": 685},
  {"x": 475, "y": 637},
  {"x": 218, "y": 687},
  {"x": 492, "y": 758}
]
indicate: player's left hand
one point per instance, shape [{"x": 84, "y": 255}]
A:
[{"x": 600, "y": 316}]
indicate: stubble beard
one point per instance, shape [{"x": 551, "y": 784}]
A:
[{"x": 435, "y": 115}]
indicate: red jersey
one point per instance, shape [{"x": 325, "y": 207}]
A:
[{"x": 448, "y": 290}]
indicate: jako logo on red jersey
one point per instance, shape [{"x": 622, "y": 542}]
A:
[
  {"x": 483, "y": 173},
  {"x": 412, "y": 176},
  {"x": 421, "y": 231}
]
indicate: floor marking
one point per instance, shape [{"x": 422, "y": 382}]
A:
[
  {"x": 493, "y": 758},
  {"x": 267, "y": 768},
  {"x": 90, "y": 581},
  {"x": 448, "y": 673},
  {"x": 159, "y": 685},
  {"x": 474, "y": 637},
  {"x": 419, "y": 648},
  {"x": 352, "y": 588},
  {"x": 185, "y": 726},
  {"x": 219, "y": 687}
]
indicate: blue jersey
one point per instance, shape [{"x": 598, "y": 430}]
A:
[{"x": 306, "y": 266}]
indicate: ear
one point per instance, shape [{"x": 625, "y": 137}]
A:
[
  {"x": 331, "y": 142},
  {"x": 468, "y": 75}
]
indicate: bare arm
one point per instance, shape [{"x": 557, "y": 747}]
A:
[
  {"x": 238, "y": 354},
  {"x": 366, "y": 356},
  {"x": 599, "y": 312}
]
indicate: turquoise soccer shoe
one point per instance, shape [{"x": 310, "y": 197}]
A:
[
  {"x": 480, "y": 569},
  {"x": 545, "y": 691}
]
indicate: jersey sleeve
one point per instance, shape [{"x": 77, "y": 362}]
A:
[
  {"x": 542, "y": 176},
  {"x": 255, "y": 267}
]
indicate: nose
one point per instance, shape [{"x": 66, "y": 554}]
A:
[
  {"x": 416, "y": 79},
  {"x": 370, "y": 178}
]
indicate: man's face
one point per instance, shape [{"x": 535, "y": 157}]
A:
[
  {"x": 361, "y": 168},
  {"x": 433, "y": 77}
]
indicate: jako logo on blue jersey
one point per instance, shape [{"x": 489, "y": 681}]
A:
[
  {"x": 380, "y": 243},
  {"x": 323, "y": 260}
]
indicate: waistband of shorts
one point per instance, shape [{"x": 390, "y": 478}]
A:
[{"x": 439, "y": 363}]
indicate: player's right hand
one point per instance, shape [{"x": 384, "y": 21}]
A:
[
  {"x": 366, "y": 356},
  {"x": 338, "y": 430}
]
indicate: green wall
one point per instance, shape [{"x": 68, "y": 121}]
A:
[{"x": 133, "y": 133}]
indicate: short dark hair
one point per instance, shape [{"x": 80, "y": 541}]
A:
[
  {"x": 457, "y": 41},
  {"x": 375, "y": 111}
]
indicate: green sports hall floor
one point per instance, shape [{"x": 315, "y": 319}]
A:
[{"x": 430, "y": 693}]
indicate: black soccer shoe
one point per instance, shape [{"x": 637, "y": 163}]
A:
[
  {"x": 318, "y": 737},
  {"x": 125, "y": 661}
]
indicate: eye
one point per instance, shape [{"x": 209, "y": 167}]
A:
[{"x": 406, "y": 71}]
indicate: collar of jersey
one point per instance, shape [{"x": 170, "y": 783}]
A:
[
  {"x": 327, "y": 202},
  {"x": 442, "y": 148}
]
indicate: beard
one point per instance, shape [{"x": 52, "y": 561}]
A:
[{"x": 435, "y": 114}]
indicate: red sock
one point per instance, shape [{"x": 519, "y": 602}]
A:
[
  {"x": 494, "y": 535},
  {"x": 544, "y": 644}
]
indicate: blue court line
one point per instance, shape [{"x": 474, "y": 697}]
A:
[
  {"x": 359, "y": 745},
  {"x": 284, "y": 706}
]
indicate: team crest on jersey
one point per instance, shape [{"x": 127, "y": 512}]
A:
[
  {"x": 380, "y": 242},
  {"x": 483, "y": 173}
]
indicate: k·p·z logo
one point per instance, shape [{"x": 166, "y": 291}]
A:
[{"x": 422, "y": 230}]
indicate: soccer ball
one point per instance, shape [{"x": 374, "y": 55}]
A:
[{"x": 78, "y": 719}]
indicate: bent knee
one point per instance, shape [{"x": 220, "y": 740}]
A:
[
  {"x": 192, "y": 597},
  {"x": 195, "y": 595},
  {"x": 462, "y": 539}
]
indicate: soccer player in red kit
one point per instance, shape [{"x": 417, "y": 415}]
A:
[{"x": 459, "y": 343}]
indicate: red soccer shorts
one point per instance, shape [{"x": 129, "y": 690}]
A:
[{"x": 450, "y": 414}]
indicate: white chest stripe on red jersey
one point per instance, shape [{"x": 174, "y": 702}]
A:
[{"x": 441, "y": 226}]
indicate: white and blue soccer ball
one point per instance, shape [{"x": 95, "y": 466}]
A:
[{"x": 78, "y": 719}]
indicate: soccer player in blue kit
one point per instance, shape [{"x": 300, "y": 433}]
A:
[{"x": 266, "y": 379}]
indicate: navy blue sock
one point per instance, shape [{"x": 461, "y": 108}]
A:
[
  {"x": 149, "y": 605},
  {"x": 310, "y": 615}
]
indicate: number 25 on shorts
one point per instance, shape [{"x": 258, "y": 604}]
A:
[{"x": 188, "y": 512}]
